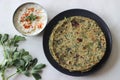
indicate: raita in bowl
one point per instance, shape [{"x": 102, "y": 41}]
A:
[{"x": 30, "y": 19}]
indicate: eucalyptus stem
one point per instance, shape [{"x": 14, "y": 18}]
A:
[
  {"x": 11, "y": 76},
  {"x": 3, "y": 61},
  {"x": 4, "y": 49},
  {"x": 3, "y": 72},
  {"x": 3, "y": 75}
]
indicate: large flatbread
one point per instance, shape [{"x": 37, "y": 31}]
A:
[{"x": 77, "y": 43}]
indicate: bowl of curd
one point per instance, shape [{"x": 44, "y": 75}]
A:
[{"x": 30, "y": 19}]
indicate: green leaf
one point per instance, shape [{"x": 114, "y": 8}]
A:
[
  {"x": 27, "y": 58},
  {"x": 10, "y": 42},
  {"x": 8, "y": 63},
  {"x": 22, "y": 63},
  {"x": 16, "y": 55},
  {"x": 31, "y": 64},
  {"x": 4, "y": 38},
  {"x": 37, "y": 76},
  {"x": 19, "y": 63},
  {"x": 18, "y": 38},
  {"x": 34, "y": 62},
  {"x": 15, "y": 49},
  {"x": 7, "y": 53},
  {"x": 22, "y": 50},
  {"x": 14, "y": 41},
  {"x": 27, "y": 73},
  {"x": 23, "y": 53},
  {"x": 5, "y": 65},
  {"x": 0, "y": 36},
  {"x": 21, "y": 69},
  {"x": 39, "y": 66},
  {"x": 0, "y": 67}
]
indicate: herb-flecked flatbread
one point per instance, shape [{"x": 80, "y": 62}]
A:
[{"x": 77, "y": 43}]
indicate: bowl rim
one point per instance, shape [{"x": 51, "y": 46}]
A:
[
  {"x": 69, "y": 13},
  {"x": 19, "y": 8}
]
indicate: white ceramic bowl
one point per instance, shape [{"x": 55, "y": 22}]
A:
[{"x": 30, "y": 19}]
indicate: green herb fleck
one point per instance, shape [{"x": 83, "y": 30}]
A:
[{"x": 31, "y": 17}]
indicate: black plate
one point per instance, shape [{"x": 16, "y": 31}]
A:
[{"x": 69, "y": 13}]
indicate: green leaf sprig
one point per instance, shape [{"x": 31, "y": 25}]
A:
[
  {"x": 31, "y": 17},
  {"x": 18, "y": 58}
]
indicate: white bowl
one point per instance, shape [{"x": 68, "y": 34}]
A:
[{"x": 30, "y": 19}]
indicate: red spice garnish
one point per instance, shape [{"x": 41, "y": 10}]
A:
[
  {"x": 26, "y": 26},
  {"x": 37, "y": 17},
  {"x": 31, "y": 9},
  {"x": 22, "y": 18},
  {"x": 26, "y": 14},
  {"x": 28, "y": 21},
  {"x": 40, "y": 25}
]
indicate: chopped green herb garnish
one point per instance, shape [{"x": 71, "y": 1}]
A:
[{"x": 31, "y": 17}]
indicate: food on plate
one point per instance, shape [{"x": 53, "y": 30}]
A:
[
  {"x": 77, "y": 43},
  {"x": 30, "y": 19}
]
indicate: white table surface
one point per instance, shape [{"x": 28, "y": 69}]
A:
[{"x": 108, "y": 10}]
